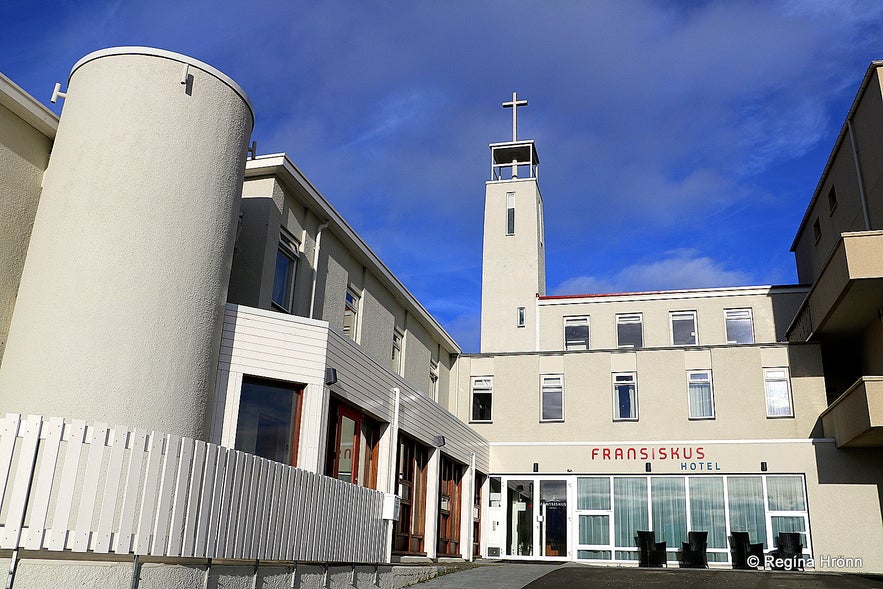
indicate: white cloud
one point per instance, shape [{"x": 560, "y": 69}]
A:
[{"x": 679, "y": 269}]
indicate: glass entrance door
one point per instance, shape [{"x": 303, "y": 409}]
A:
[
  {"x": 519, "y": 517},
  {"x": 553, "y": 518}
]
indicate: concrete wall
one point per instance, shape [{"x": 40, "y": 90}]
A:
[
  {"x": 772, "y": 310},
  {"x": 130, "y": 255},
  {"x": 40, "y": 573},
  {"x": 272, "y": 201},
  {"x": 513, "y": 266},
  {"x": 841, "y": 175},
  {"x": 663, "y": 410},
  {"x": 26, "y": 133}
]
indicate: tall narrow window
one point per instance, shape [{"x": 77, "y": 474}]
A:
[
  {"x": 778, "y": 392},
  {"x": 284, "y": 274},
  {"x": 519, "y": 317},
  {"x": 552, "y": 397},
  {"x": 397, "y": 338},
  {"x": 817, "y": 230},
  {"x": 269, "y": 419},
  {"x": 629, "y": 331},
  {"x": 482, "y": 398},
  {"x": 739, "y": 326},
  {"x": 683, "y": 328},
  {"x": 576, "y": 333},
  {"x": 625, "y": 396},
  {"x": 700, "y": 394},
  {"x": 832, "y": 200},
  {"x": 351, "y": 315},
  {"x": 510, "y": 213}
]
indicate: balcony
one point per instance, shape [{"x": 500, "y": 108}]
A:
[
  {"x": 855, "y": 418},
  {"x": 848, "y": 292}
]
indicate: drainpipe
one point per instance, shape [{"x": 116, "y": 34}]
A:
[
  {"x": 392, "y": 483},
  {"x": 858, "y": 174},
  {"x": 319, "y": 231}
]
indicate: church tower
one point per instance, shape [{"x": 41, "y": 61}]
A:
[{"x": 513, "y": 270}]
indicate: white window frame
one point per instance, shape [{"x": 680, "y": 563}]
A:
[
  {"x": 634, "y": 383},
  {"x": 578, "y": 321},
  {"x": 777, "y": 375},
  {"x": 353, "y": 306},
  {"x": 520, "y": 316},
  {"x": 673, "y": 315},
  {"x": 710, "y": 380},
  {"x": 433, "y": 380},
  {"x": 510, "y": 213},
  {"x": 290, "y": 248},
  {"x": 398, "y": 342},
  {"x": 484, "y": 385},
  {"x": 626, "y": 319},
  {"x": 733, "y": 312},
  {"x": 548, "y": 383}
]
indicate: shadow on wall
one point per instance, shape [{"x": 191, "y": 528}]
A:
[
  {"x": 849, "y": 466},
  {"x": 785, "y": 307}
]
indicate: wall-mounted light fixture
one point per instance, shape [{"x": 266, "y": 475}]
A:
[
  {"x": 648, "y": 467},
  {"x": 763, "y": 466},
  {"x": 439, "y": 441},
  {"x": 536, "y": 467},
  {"x": 330, "y": 376}
]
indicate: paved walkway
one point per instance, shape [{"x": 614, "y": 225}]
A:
[
  {"x": 578, "y": 576},
  {"x": 491, "y": 576}
]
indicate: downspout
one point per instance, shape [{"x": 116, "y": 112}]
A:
[
  {"x": 392, "y": 483},
  {"x": 319, "y": 231},
  {"x": 858, "y": 174}
]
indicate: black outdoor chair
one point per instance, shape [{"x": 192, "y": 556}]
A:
[
  {"x": 650, "y": 552},
  {"x": 741, "y": 548},
  {"x": 693, "y": 552},
  {"x": 789, "y": 548}
]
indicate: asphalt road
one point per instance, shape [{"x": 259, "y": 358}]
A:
[{"x": 581, "y": 576}]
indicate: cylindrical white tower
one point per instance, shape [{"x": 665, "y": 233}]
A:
[{"x": 119, "y": 313}]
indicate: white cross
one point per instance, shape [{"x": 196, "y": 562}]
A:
[{"x": 514, "y": 106}]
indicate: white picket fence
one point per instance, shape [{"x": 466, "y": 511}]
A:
[{"x": 69, "y": 486}]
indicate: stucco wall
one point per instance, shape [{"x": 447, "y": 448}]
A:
[
  {"x": 663, "y": 411},
  {"x": 130, "y": 255},
  {"x": 24, "y": 155}
]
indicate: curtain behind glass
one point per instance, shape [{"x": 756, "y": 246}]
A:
[
  {"x": 669, "y": 510},
  {"x": 700, "y": 399},
  {"x": 707, "y": 509},
  {"x": 594, "y": 529},
  {"x": 746, "y": 507},
  {"x": 629, "y": 509},
  {"x": 593, "y": 493},
  {"x": 786, "y": 494}
]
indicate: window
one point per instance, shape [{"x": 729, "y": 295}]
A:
[
  {"x": 739, "y": 326},
  {"x": 576, "y": 333},
  {"x": 520, "y": 317},
  {"x": 351, "y": 315},
  {"x": 286, "y": 269},
  {"x": 629, "y": 331},
  {"x": 396, "y": 364},
  {"x": 700, "y": 394},
  {"x": 817, "y": 230},
  {"x": 411, "y": 468},
  {"x": 778, "y": 392},
  {"x": 683, "y": 328},
  {"x": 353, "y": 446},
  {"x": 510, "y": 213},
  {"x": 832, "y": 200},
  {"x": 269, "y": 419},
  {"x": 433, "y": 380},
  {"x": 625, "y": 396},
  {"x": 482, "y": 396},
  {"x": 552, "y": 397}
]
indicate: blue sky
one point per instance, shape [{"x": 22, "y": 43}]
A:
[{"x": 679, "y": 141}]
